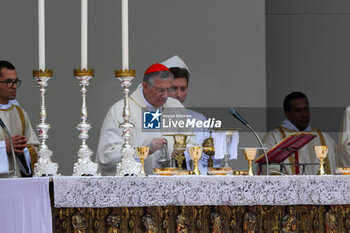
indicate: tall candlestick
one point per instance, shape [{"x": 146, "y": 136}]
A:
[
  {"x": 41, "y": 26},
  {"x": 84, "y": 34},
  {"x": 125, "y": 34}
]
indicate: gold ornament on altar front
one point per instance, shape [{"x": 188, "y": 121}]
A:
[
  {"x": 142, "y": 153},
  {"x": 125, "y": 73},
  {"x": 250, "y": 154},
  {"x": 321, "y": 153},
  {"x": 83, "y": 72},
  {"x": 196, "y": 154}
]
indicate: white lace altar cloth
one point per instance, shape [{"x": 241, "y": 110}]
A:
[{"x": 200, "y": 190}]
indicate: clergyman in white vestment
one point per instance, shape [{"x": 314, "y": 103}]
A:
[
  {"x": 17, "y": 122},
  {"x": 152, "y": 94},
  {"x": 296, "y": 109}
]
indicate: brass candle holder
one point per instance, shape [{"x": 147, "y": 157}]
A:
[
  {"x": 250, "y": 154},
  {"x": 196, "y": 154},
  {"x": 142, "y": 153},
  {"x": 321, "y": 153}
]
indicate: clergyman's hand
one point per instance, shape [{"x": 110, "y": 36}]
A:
[
  {"x": 156, "y": 144},
  {"x": 19, "y": 143},
  {"x": 174, "y": 154}
]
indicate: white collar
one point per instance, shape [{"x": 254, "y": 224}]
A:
[
  {"x": 6, "y": 106},
  {"x": 289, "y": 125}
]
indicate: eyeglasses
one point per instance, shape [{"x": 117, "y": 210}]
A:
[
  {"x": 10, "y": 83},
  {"x": 162, "y": 91}
]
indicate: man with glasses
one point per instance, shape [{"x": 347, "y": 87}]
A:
[
  {"x": 18, "y": 123},
  {"x": 151, "y": 95}
]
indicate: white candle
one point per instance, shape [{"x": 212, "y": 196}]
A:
[
  {"x": 84, "y": 34},
  {"x": 125, "y": 34},
  {"x": 41, "y": 26}
]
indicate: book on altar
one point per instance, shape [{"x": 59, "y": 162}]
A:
[{"x": 286, "y": 147}]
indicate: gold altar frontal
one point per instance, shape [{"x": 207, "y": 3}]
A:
[{"x": 247, "y": 219}]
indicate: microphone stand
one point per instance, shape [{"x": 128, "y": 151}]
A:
[
  {"x": 244, "y": 122},
  {"x": 263, "y": 147}
]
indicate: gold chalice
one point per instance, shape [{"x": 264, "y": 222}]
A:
[
  {"x": 196, "y": 154},
  {"x": 250, "y": 154},
  {"x": 142, "y": 153},
  {"x": 321, "y": 153},
  {"x": 179, "y": 147}
]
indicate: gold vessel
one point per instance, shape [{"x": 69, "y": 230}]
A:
[
  {"x": 196, "y": 154},
  {"x": 142, "y": 153},
  {"x": 321, "y": 153},
  {"x": 250, "y": 154}
]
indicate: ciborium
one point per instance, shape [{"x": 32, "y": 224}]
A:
[
  {"x": 250, "y": 154},
  {"x": 142, "y": 153},
  {"x": 209, "y": 149},
  {"x": 195, "y": 154},
  {"x": 321, "y": 153}
]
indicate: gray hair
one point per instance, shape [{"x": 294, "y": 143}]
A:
[{"x": 149, "y": 78}]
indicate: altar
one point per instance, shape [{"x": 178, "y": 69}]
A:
[{"x": 202, "y": 204}]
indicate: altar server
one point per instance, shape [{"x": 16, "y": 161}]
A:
[
  {"x": 17, "y": 121},
  {"x": 153, "y": 95},
  {"x": 296, "y": 110}
]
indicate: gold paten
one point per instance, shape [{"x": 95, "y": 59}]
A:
[
  {"x": 167, "y": 171},
  {"x": 221, "y": 171},
  {"x": 183, "y": 173},
  {"x": 41, "y": 73},
  {"x": 125, "y": 73},
  {"x": 343, "y": 170},
  {"x": 83, "y": 72},
  {"x": 240, "y": 172}
]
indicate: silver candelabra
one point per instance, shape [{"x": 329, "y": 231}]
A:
[
  {"x": 84, "y": 165},
  {"x": 128, "y": 165},
  {"x": 44, "y": 166}
]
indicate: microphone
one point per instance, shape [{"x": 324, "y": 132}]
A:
[
  {"x": 234, "y": 113},
  {"x": 14, "y": 164},
  {"x": 237, "y": 116}
]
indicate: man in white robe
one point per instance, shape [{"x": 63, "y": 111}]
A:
[
  {"x": 296, "y": 109},
  {"x": 343, "y": 151},
  {"x": 152, "y": 94},
  {"x": 17, "y": 122},
  {"x": 180, "y": 84}
]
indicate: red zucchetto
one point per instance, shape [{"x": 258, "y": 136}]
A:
[{"x": 156, "y": 68}]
